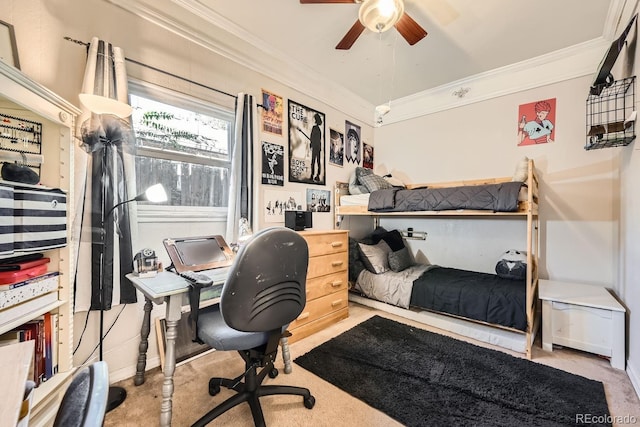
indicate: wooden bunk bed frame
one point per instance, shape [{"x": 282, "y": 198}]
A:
[{"x": 527, "y": 209}]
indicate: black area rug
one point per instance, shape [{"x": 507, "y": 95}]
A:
[{"x": 424, "y": 379}]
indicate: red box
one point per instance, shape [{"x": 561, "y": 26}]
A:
[{"x": 9, "y": 277}]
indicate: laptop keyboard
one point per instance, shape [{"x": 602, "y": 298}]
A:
[{"x": 218, "y": 275}]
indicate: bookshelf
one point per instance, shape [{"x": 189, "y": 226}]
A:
[{"x": 24, "y": 99}]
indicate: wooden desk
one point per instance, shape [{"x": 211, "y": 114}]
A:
[
  {"x": 15, "y": 360},
  {"x": 170, "y": 288}
]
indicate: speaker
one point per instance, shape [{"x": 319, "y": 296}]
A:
[{"x": 298, "y": 220}]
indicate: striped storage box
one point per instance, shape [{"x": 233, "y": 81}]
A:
[
  {"x": 40, "y": 218},
  {"x": 6, "y": 219}
]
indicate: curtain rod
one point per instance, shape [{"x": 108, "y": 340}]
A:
[{"x": 163, "y": 71}]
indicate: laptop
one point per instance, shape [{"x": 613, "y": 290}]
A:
[{"x": 206, "y": 254}]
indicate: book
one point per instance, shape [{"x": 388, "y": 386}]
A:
[
  {"x": 54, "y": 342},
  {"x": 6, "y": 287},
  {"x": 48, "y": 346},
  {"x": 37, "y": 286}
]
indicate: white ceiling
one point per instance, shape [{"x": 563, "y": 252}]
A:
[{"x": 466, "y": 38}]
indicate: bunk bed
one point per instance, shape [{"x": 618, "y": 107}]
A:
[{"x": 518, "y": 331}]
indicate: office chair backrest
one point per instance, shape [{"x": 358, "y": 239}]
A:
[
  {"x": 85, "y": 401},
  {"x": 265, "y": 289}
]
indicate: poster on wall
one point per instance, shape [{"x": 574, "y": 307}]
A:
[
  {"x": 367, "y": 155},
  {"x": 352, "y": 144},
  {"x": 318, "y": 200},
  {"x": 272, "y": 164},
  {"x": 277, "y": 201},
  {"x": 536, "y": 122},
  {"x": 306, "y": 145},
  {"x": 336, "y": 148},
  {"x": 272, "y": 112}
]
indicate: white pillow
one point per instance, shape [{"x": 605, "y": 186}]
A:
[
  {"x": 393, "y": 181},
  {"x": 375, "y": 257},
  {"x": 522, "y": 170}
]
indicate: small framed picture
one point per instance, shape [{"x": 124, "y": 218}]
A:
[{"x": 8, "y": 47}]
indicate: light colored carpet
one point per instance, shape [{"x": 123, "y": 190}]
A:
[{"x": 333, "y": 406}]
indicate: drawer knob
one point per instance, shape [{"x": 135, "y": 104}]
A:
[
  {"x": 336, "y": 283},
  {"x": 336, "y": 303},
  {"x": 336, "y": 244},
  {"x": 337, "y": 263},
  {"x": 303, "y": 316}
]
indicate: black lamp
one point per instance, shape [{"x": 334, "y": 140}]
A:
[{"x": 154, "y": 194}]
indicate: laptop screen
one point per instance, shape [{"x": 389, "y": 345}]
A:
[{"x": 198, "y": 253}]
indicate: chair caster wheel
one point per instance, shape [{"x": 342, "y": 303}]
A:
[
  {"x": 213, "y": 388},
  {"x": 273, "y": 373},
  {"x": 309, "y": 402}
]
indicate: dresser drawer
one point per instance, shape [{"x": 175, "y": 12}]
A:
[
  {"x": 326, "y": 243},
  {"x": 324, "y": 285},
  {"x": 320, "y": 307},
  {"x": 327, "y": 264}
]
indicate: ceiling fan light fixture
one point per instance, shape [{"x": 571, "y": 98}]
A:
[{"x": 380, "y": 15}]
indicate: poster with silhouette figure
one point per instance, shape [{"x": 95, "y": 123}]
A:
[
  {"x": 306, "y": 145},
  {"x": 536, "y": 122},
  {"x": 272, "y": 164},
  {"x": 278, "y": 201}
]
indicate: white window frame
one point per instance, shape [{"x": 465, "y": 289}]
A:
[{"x": 150, "y": 213}]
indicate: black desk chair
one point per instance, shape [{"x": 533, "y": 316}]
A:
[
  {"x": 264, "y": 292},
  {"x": 85, "y": 401}
]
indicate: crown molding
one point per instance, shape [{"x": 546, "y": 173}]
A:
[
  {"x": 184, "y": 18},
  {"x": 565, "y": 64}
]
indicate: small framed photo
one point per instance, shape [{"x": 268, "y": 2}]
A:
[{"x": 8, "y": 47}]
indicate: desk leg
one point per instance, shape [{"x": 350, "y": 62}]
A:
[
  {"x": 172, "y": 318},
  {"x": 286, "y": 356},
  {"x": 144, "y": 343}
]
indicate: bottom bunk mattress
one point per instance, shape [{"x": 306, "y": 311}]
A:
[{"x": 469, "y": 294}]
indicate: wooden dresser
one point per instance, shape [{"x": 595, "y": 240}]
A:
[{"x": 327, "y": 282}]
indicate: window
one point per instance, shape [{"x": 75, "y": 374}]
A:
[{"x": 183, "y": 143}]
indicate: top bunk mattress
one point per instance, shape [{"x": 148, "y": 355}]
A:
[
  {"x": 501, "y": 197},
  {"x": 355, "y": 199}
]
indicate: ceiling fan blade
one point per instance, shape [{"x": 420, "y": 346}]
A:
[
  {"x": 410, "y": 29},
  {"x": 352, "y": 35},
  {"x": 326, "y": 1}
]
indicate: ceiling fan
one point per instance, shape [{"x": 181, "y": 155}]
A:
[{"x": 378, "y": 16}]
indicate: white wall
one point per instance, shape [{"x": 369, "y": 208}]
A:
[
  {"x": 578, "y": 222},
  {"x": 40, "y": 26},
  {"x": 629, "y": 284}
]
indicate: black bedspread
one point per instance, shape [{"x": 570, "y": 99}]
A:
[
  {"x": 478, "y": 296},
  {"x": 501, "y": 197}
]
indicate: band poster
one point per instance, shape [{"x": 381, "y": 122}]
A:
[
  {"x": 272, "y": 164},
  {"x": 318, "y": 200},
  {"x": 352, "y": 143},
  {"x": 272, "y": 112},
  {"x": 306, "y": 145},
  {"x": 277, "y": 201},
  {"x": 336, "y": 148},
  {"x": 367, "y": 159}
]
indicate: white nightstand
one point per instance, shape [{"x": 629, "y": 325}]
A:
[{"x": 584, "y": 317}]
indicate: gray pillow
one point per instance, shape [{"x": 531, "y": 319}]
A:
[
  {"x": 375, "y": 257},
  {"x": 400, "y": 259},
  {"x": 374, "y": 182},
  {"x": 354, "y": 186}
]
